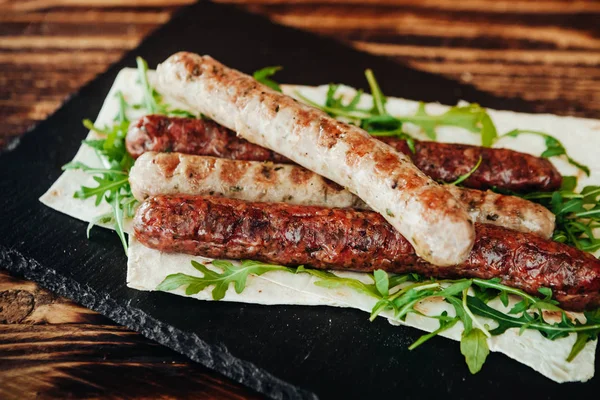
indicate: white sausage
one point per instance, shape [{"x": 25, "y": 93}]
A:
[{"x": 425, "y": 213}]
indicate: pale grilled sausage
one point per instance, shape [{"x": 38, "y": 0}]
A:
[
  {"x": 427, "y": 214},
  {"x": 175, "y": 173}
]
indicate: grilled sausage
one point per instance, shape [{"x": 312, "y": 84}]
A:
[
  {"x": 444, "y": 162},
  {"x": 347, "y": 239},
  {"x": 437, "y": 226},
  {"x": 175, "y": 173},
  {"x": 193, "y": 136}
]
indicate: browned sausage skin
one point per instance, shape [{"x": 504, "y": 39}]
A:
[
  {"x": 444, "y": 162},
  {"x": 346, "y": 239}
]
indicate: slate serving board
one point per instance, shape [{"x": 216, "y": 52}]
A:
[{"x": 281, "y": 351}]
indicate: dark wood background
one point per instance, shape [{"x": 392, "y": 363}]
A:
[{"x": 547, "y": 51}]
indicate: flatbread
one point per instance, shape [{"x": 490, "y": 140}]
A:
[{"x": 147, "y": 268}]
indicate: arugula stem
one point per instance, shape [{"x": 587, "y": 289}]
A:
[
  {"x": 149, "y": 101},
  {"x": 104, "y": 189},
  {"x": 378, "y": 98},
  {"x": 500, "y": 287},
  {"x": 470, "y": 314},
  {"x": 330, "y": 110}
]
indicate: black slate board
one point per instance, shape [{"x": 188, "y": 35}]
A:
[{"x": 281, "y": 351}]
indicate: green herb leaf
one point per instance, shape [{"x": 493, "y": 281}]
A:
[
  {"x": 473, "y": 345},
  {"x": 455, "y": 288},
  {"x": 577, "y": 214},
  {"x": 91, "y": 170},
  {"x": 378, "y": 122},
  {"x": 381, "y": 282},
  {"x": 104, "y": 219},
  {"x": 230, "y": 274},
  {"x": 553, "y": 147},
  {"x": 580, "y": 342},
  {"x": 115, "y": 203},
  {"x": 331, "y": 280},
  {"x": 263, "y": 76},
  {"x": 472, "y": 118},
  {"x": 446, "y": 323}
]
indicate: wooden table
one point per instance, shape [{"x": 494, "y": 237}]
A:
[{"x": 545, "y": 51}]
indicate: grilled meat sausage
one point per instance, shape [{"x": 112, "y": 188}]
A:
[
  {"x": 193, "y": 136},
  {"x": 175, "y": 173},
  {"x": 444, "y": 162},
  {"x": 347, "y": 239},
  {"x": 427, "y": 214}
]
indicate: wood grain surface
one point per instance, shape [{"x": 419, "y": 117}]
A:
[{"x": 545, "y": 51}]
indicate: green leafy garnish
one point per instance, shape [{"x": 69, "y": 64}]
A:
[
  {"x": 554, "y": 147},
  {"x": 401, "y": 294},
  {"x": 472, "y": 118},
  {"x": 264, "y": 76},
  {"x": 577, "y": 214},
  {"x": 332, "y": 281},
  {"x": 378, "y": 122},
  {"x": 473, "y": 345},
  {"x": 230, "y": 274},
  {"x": 153, "y": 101},
  {"x": 113, "y": 180}
]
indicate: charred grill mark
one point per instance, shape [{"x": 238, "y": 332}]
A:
[
  {"x": 232, "y": 172},
  {"x": 166, "y": 164},
  {"x": 358, "y": 147},
  {"x": 299, "y": 176}
]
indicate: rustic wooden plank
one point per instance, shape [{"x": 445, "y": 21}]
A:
[
  {"x": 81, "y": 17},
  {"x": 564, "y": 7},
  {"x": 57, "y": 30},
  {"x": 68, "y": 42},
  {"x": 36, "y": 5},
  {"x": 51, "y": 347}
]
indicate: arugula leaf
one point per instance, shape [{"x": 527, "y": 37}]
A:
[
  {"x": 446, "y": 323},
  {"x": 336, "y": 110},
  {"x": 553, "y": 147},
  {"x": 105, "y": 184},
  {"x": 264, "y": 76},
  {"x": 331, "y": 280},
  {"x": 580, "y": 342},
  {"x": 153, "y": 101},
  {"x": 401, "y": 293},
  {"x": 104, "y": 218},
  {"x": 378, "y": 122},
  {"x": 381, "y": 282},
  {"x": 577, "y": 214},
  {"x": 230, "y": 274},
  {"x": 472, "y": 118},
  {"x": 91, "y": 170},
  {"x": 337, "y": 102},
  {"x": 474, "y": 346},
  {"x": 115, "y": 203}
]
